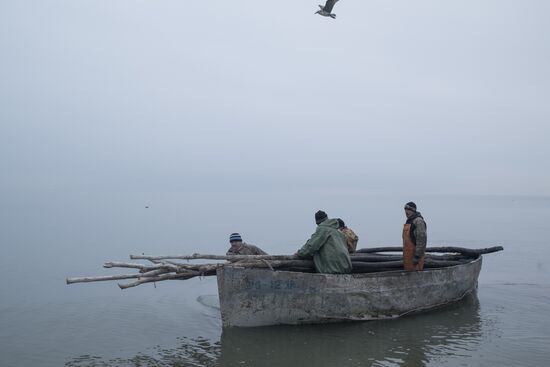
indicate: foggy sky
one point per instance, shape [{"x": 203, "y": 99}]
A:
[{"x": 429, "y": 96}]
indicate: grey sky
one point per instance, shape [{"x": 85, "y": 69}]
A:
[{"x": 396, "y": 96}]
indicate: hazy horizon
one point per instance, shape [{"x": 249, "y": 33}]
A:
[{"x": 390, "y": 98}]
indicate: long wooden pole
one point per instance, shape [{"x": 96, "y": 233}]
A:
[
  {"x": 153, "y": 273},
  {"x": 449, "y": 249},
  {"x": 367, "y": 257},
  {"x": 101, "y": 278},
  {"x": 158, "y": 279},
  {"x": 445, "y": 249},
  {"x": 160, "y": 265},
  {"x": 214, "y": 257}
]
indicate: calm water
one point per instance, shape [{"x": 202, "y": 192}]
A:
[{"x": 47, "y": 236}]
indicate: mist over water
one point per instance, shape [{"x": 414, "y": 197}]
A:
[{"x": 45, "y": 322}]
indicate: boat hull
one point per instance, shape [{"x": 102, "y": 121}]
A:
[{"x": 261, "y": 297}]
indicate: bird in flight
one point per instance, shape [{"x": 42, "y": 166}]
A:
[{"x": 327, "y": 9}]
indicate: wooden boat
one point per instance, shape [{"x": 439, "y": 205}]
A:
[{"x": 260, "y": 297}]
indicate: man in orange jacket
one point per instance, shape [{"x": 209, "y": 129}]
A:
[{"x": 414, "y": 238}]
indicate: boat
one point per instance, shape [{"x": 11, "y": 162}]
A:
[{"x": 251, "y": 297}]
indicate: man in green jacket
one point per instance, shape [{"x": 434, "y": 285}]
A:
[{"x": 327, "y": 246}]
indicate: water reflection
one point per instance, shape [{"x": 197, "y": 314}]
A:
[
  {"x": 410, "y": 341},
  {"x": 189, "y": 352}
]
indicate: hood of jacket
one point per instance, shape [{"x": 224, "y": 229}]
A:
[
  {"x": 330, "y": 223},
  {"x": 413, "y": 217}
]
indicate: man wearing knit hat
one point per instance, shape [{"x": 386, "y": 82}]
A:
[
  {"x": 238, "y": 247},
  {"x": 415, "y": 238},
  {"x": 327, "y": 246}
]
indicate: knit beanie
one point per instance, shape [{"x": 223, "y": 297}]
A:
[
  {"x": 320, "y": 216},
  {"x": 235, "y": 237},
  {"x": 410, "y": 206}
]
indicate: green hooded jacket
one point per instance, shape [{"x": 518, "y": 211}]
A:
[{"x": 328, "y": 248}]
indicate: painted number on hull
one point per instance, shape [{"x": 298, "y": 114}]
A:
[{"x": 274, "y": 284}]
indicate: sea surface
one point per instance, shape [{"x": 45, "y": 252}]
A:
[{"x": 46, "y": 236}]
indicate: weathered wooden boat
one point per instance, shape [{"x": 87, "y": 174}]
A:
[{"x": 261, "y": 297}]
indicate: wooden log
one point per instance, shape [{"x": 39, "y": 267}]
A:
[
  {"x": 428, "y": 263},
  {"x": 380, "y": 258},
  {"x": 179, "y": 267},
  {"x": 169, "y": 266},
  {"x": 366, "y": 266},
  {"x": 117, "y": 264},
  {"x": 379, "y": 249},
  {"x": 142, "y": 267},
  {"x": 445, "y": 249},
  {"x": 361, "y": 255},
  {"x": 158, "y": 279},
  {"x": 178, "y": 264},
  {"x": 101, "y": 278},
  {"x": 275, "y": 263},
  {"x": 461, "y": 250},
  {"x": 466, "y": 251},
  {"x": 399, "y": 264},
  {"x": 452, "y": 257},
  {"x": 374, "y": 257},
  {"x": 153, "y": 273},
  {"x": 215, "y": 257}
]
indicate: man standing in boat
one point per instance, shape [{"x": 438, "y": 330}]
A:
[
  {"x": 238, "y": 247},
  {"x": 327, "y": 246},
  {"x": 414, "y": 239}
]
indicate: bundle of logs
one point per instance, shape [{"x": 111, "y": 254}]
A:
[{"x": 368, "y": 260}]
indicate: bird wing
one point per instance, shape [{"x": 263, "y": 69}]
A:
[{"x": 329, "y": 5}]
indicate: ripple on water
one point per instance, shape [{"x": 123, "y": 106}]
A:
[
  {"x": 210, "y": 301},
  {"x": 466, "y": 333}
]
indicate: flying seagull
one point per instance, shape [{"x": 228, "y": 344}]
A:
[{"x": 326, "y": 10}]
